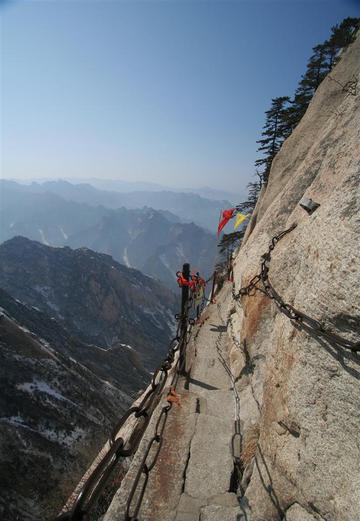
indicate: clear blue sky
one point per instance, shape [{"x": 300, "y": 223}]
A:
[{"x": 171, "y": 92}]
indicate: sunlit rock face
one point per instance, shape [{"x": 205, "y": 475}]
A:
[{"x": 302, "y": 392}]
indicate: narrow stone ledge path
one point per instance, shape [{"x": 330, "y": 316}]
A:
[{"x": 192, "y": 476}]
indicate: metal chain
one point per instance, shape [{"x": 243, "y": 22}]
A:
[
  {"x": 148, "y": 461},
  {"x": 148, "y": 464},
  {"x": 236, "y": 440},
  {"x": 185, "y": 324},
  {"x": 299, "y": 319},
  {"x": 118, "y": 448}
]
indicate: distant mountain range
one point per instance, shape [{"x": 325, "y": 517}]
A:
[
  {"x": 154, "y": 241},
  {"x": 189, "y": 207},
  {"x": 148, "y": 241},
  {"x": 75, "y": 337},
  {"x": 119, "y": 185},
  {"x": 126, "y": 186}
]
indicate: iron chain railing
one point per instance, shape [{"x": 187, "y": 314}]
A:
[
  {"x": 299, "y": 319},
  {"x": 118, "y": 447},
  {"x": 137, "y": 492}
]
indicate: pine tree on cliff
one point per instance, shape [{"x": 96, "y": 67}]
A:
[
  {"x": 229, "y": 242},
  {"x": 275, "y": 131},
  {"x": 316, "y": 70},
  {"x": 253, "y": 194},
  {"x": 321, "y": 62},
  {"x": 284, "y": 116},
  {"x": 342, "y": 35},
  {"x": 254, "y": 188}
]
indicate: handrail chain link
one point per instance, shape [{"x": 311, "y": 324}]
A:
[
  {"x": 142, "y": 412},
  {"x": 298, "y": 318}
]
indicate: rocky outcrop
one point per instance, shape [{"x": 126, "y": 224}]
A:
[
  {"x": 95, "y": 298},
  {"x": 302, "y": 390}
]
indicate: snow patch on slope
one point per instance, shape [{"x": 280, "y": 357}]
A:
[
  {"x": 126, "y": 258},
  {"x": 43, "y": 387},
  {"x": 165, "y": 262},
  {"x": 63, "y": 233},
  {"x": 43, "y": 238}
]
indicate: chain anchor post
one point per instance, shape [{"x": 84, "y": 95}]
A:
[{"x": 184, "y": 315}]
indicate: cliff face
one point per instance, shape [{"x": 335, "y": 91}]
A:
[{"x": 300, "y": 393}]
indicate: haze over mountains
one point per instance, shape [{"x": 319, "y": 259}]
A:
[
  {"x": 119, "y": 185},
  {"x": 154, "y": 241},
  {"x": 189, "y": 207},
  {"x": 127, "y": 186}
]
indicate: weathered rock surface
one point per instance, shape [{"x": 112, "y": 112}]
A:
[
  {"x": 215, "y": 513},
  {"x": 306, "y": 388},
  {"x": 297, "y": 513}
]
